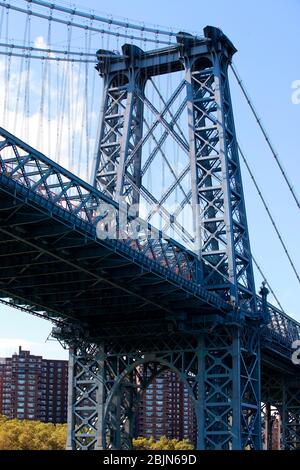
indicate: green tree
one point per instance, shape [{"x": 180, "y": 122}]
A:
[
  {"x": 31, "y": 435},
  {"x": 143, "y": 443}
]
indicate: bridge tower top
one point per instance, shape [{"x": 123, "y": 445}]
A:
[{"x": 197, "y": 117}]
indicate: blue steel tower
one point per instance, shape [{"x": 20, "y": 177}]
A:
[
  {"x": 217, "y": 356},
  {"x": 216, "y": 194},
  {"x": 149, "y": 268}
]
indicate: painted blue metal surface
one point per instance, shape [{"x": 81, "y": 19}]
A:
[{"x": 29, "y": 177}]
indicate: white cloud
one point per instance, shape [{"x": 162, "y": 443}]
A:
[{"x": 40, "y": 43}]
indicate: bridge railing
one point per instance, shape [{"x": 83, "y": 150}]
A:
[
  {"x": 281, "y": 327},
  {"x": 30, "y": 168}
]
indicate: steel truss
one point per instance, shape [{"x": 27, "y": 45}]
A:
[
  {"x": 282, "y": 392},
  {"x": 220, "y": 368},
  {"x": 220, "y": 233},
  {"x": 220, "y": 364}
]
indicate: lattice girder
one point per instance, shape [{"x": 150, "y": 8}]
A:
[
  {"x": 209, "y": 180},
  {"x": 219, "y": 368},
  {"x": 283, "y": 393}
]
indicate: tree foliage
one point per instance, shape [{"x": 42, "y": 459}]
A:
[
  {"x": 31, "y": 435},
  {"x": 143, "y": 443}
]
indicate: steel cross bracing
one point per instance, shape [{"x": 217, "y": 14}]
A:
[
  {"x": 220, "y": 369},
  {"x": 33, "y": 171},
  {"x": 220, "y": 233},
  {"x": 27, "y": 257},
  {"x": 34, "y": 179},
  {"x": 282, "y": 394},
  {"x": 131, "y": 306}
]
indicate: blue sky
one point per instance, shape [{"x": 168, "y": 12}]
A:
[{"x": 268, "y": 59}]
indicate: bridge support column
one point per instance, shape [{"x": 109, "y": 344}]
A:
[
  {"x": 220, "y": 367},
  {"x": 283, "y": 393},
  {"x": 291, "y": 415},
  {"x": 228, "y": 404},
  {"x": 85, "y": 398},
  {"x": 117, "y": 169},
  {"x": 119, "y": 423}
]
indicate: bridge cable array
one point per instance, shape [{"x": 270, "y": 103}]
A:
[
  {"x": 75, "y": 109},
  {"x": 269, "y": 214},
  {"x": 117, "y": 33},
  {"x": 266, "y": 136},
  {"x": 102, "y": 19}
]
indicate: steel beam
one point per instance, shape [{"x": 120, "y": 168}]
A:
[
  {"x": 220, "y": 235},
  {"x": 221, "y": 371}
]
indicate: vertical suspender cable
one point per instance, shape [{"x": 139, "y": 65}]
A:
[
  {"x": 20, "y": 79},
  {"x": 72, "y": 116},
  {"x": 57, "y": 109},
  {"x": 26, "y": 110},
  {"x": 68, "y": 94},
  {"x": 49, "y": 85},
  {"x": 76, "y": 115},
  {"x": 7, "y": 72},
  {"x": 86, "y": 99},
  {"x": 40, "y": 129}
]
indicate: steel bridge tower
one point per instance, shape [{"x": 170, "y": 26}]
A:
[{"x": 217, "y": 357}]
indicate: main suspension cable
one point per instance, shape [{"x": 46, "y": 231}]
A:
[
  {"x": 46, "y": 57},
  {"x": 110, "y": 32},
  {"x": 102, "y": 19},
  {"x": 269, "y": 214},
  {"x": 267, "y": 283},
  {"x": 264, "y": 132}
]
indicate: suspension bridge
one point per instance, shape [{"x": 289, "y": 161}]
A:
[{"x": 138, "y": 251}]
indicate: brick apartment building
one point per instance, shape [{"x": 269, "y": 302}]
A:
[
  {"x": 166, "y": 410},
  {"x": 33, "y": 388}
]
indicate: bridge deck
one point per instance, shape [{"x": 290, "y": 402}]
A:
[{"x": 52, "y": 261}]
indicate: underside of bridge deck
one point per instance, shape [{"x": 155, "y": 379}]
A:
[{"x": 50, "y": 263}]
